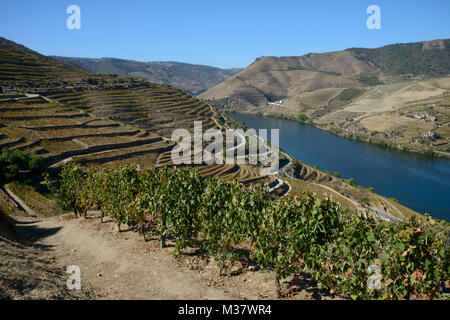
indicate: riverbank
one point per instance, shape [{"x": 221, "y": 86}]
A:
[
  {"x": 300, "y": 177},
  {"x": 416, "y": 181}
]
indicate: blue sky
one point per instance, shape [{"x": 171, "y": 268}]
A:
[{"x": 222, "y": 33}]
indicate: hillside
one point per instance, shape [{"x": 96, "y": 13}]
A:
[
  {"x": 107, "y": 121},
  {"x": 337, "y": 90},
  {"x": 194, "y": 79},
  {"x": 430, "y": 58},
  {"x": 22, "y": 65},
  {"x": 97, "y": 120},
  {"x": 118, "y": 131},
  {"x": 287, "y": 77},
  {"x": 27, "y": 70}
]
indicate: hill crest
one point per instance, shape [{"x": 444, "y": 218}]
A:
[{"x": 192, "y": 78}]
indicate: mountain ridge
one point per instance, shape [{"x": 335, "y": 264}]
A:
[
  {"x": 396, "y": 95},
  {"x": 193, "y": 78},
  {"x": 290, "y": 75}
]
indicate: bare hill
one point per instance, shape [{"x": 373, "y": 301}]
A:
[{"x": 271, "y": 79}]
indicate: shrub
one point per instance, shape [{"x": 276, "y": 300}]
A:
[
  {"x": 15, "y": 164},
  {"x": 356, "y": 257},
  {"x": 302, "y": 117}
]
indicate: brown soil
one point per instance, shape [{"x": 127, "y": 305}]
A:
[
  {"x": 29, "y": 270},
  {"x": 121, "y": 265}
]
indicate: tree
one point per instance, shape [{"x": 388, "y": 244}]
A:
[
  {"x": 36, "y": 163},
  {"x": 302, "y": 117},
  {"x": 92, "y": 81},
  {"x": 15, "y": 162}
]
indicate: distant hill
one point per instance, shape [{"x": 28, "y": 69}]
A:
[
  {"x": 430, "y": 58},
  {"x": 195, "y": 79},
  {"x": 395, "y": 96},
  {"x": 317, "y": 78},
  {"x": 27, "y": 70}
]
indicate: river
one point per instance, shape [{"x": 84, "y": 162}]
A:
[{"x": 416, "y": 181}]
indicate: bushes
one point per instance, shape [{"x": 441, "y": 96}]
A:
[
  {"x": 350, "y": 94},
  {"x": 351, "y": 182},
  {"x": 68, "y": 193},
  {"x": 173, "y": 198},
  {"x": 356, "y": 257},
  {"x": 291, "y": 233},
  {"x": 415, "y": 261},
  {"x": 15, "y": 163},
  {"x": 302, "y": 117},
  {"x": 370, "y": 80}
]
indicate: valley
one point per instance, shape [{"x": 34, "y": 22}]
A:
[
  {"x": 412, "y": 180},
  {"x": 353, "y": 93},
  {"x": 98, "y": 146}
]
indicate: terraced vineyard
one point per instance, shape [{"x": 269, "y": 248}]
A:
[
  {"x": 63, "y": 113},
  {"x": 105, "y": 121},
  {"x": 154, "y": 108},
  {"x": 245, "y": 174},
  {"x": 26, "y": 65},
  {"x": 307, "y": 173},
  {"x": 110, "y": 127},
  {"x": 59, "y": 133},
  {"x": 117, "y": 126}
]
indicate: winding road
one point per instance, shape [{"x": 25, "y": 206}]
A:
[{"x": 283, "y": 169}]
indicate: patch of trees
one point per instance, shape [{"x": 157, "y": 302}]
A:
[
  {"x": 16, "y": 164},
  {"x": 369, "y": 80},
  {"x": 350, "y": 94},
  {"x": 92, "y": 81},
  {"x": 271, "y": 97},
  {"x": 332, "y": 73},
  {"x": 351, "y": 182},
  {"x": 302, "y": 117},
  {"x": 407, "y": 59}
]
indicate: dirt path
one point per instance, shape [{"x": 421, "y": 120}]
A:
[
  {"x": 120, "y": 265},
  {"x": 392, "y": 207},
  {"x": 356, "y": 204},
  {"x": 19, "y": 203}
]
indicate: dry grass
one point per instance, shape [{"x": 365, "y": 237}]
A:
[
  {"x": 28, "y": 271},
  {"x": 300, "y": 186},
  {"x": 6, "y": 205},
  {"x": 56, "y": 147},
  {"x": 387, "y": 122},
  {"x": 39, "y": 203}
]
